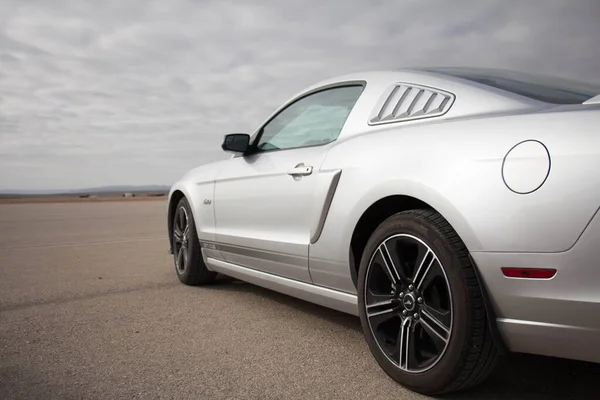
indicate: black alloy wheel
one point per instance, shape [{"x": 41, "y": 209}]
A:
[
  {"x": 409, "y": 303},
  {"x": 187, "y": 256},
  {"x": 181, "y": 233}
]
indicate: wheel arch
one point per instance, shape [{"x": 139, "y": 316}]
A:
[
  {"x": 174, "y": 199},
  {"x": 371, "y": 218},
  {"x": 377, "y": 209}
]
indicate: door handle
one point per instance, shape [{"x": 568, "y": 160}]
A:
[{"x": 300, "y": 170}]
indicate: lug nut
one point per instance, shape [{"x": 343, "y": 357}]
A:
[
  {"x": 411, "y": 287},
  {"x": 416, "y": 316},
  {"x": 404, "y": 312},
  {"x": 420, "y": 300}
]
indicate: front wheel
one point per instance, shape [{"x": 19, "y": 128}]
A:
[
  {"x": 421, "y": 307},
  {"x": 189, "y": 265}
]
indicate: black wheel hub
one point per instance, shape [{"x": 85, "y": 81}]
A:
[{"x": 407, "y": 303}]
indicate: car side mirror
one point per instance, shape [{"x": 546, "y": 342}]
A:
[{"x": 236, "y": 142}]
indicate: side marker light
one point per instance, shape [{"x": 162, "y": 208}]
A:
[{"x": 531, "y": 273}]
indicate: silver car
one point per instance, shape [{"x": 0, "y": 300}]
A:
[{"x": 454, "y": 210}]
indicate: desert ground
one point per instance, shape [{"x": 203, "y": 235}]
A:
[{"x": 90, "y": 308}]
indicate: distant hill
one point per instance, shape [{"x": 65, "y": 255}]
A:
[
  {"x": 100, "y": 189},
  {"x": 124, "y": 188}
]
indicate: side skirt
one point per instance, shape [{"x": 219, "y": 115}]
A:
[{"x": 340, "y": 301}]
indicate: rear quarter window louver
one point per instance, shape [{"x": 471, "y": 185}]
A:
[{"x": 407, "y": 101}]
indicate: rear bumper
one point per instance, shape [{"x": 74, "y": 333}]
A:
[{"x": 557, "y": 317}]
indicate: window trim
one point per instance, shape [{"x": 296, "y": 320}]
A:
[{"x": 253, "y": 150}]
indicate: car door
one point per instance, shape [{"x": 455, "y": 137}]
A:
[{"x": 270, "y": 203}]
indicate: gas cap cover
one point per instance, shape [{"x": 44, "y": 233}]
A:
[{"x": 526, "y": 166}]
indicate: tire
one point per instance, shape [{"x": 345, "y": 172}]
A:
[
  {"x": 187, "y": 258},
  {"x": 447, "y": 353}
]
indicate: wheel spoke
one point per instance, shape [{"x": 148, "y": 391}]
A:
[
  {"x": 381, "y": 312},
  {"x": 388, "y": 264},
  {"x": 180, "y": 256},
  {"x": 177, "y": 235},
  {"x": 182, "y": 219},
  {"x": 373, "y": 297},
  {"x": 380, "y": 306},
  {"x": 181, "y": 226},
  {"x": 185, "y": 256},
  {"x": 177, "y": 220},
  {"x": 434, "y": 274},
  {"x": 405, "y": 344},
  {"x": 395, "y": 248},
  {"x": 393, "y": 263},
  {"x": 435, "y": 330},
  {"x": 423, "y": 265},
  {"x": 441, "y": 318}
]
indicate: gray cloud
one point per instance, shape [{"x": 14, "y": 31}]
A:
[{"x": 114, "y": 92}]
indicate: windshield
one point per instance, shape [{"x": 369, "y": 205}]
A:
[{"x": 538, "y": 87}]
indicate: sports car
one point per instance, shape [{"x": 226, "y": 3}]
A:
[{"x": 453, "y": 210}]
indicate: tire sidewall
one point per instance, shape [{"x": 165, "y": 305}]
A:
[{"x": 435, "y": 379}]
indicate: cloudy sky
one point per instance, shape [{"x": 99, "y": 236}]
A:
[{"x": 136, "y": 92}]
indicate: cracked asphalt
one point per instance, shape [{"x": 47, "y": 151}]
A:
[{"x": 90, "y": 308}]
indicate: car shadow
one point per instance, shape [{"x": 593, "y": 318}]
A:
[
  {"x": 230, "y": 284},
  {"x": 519, "y": 376},
  {"x": 524, "y": 376}
]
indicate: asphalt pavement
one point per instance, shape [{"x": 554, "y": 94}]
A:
[{"x": 90, "y": 308}]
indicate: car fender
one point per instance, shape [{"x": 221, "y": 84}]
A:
[
  {"x": 422, "y": 192},
  {"x": 197, "y": 186}
]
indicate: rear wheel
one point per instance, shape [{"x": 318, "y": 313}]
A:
[
  {"x": 189, "y": 265},
  {"x": 421, "y": 307}
]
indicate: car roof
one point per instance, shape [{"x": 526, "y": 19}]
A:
[{"x": 497, "y": 81}]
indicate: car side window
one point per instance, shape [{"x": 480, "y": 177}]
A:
[{"x": 312, "y": 120}]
